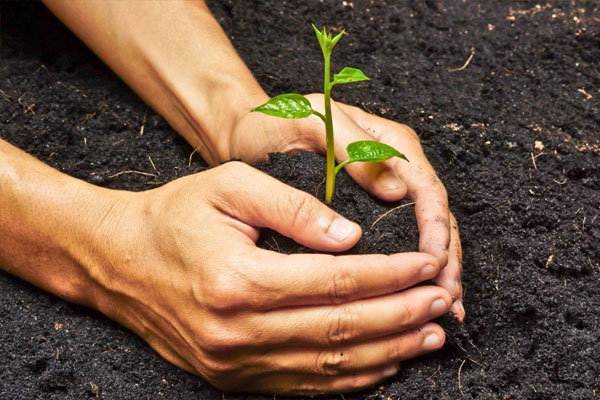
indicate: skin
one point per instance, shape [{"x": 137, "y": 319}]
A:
[{"x": 178, "y": 265}]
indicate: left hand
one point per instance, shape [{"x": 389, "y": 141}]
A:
[{"x": 255, "y": 135}]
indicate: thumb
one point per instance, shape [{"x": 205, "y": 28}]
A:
[{"x": 259, "y": 200}]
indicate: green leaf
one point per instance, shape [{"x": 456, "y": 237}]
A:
[
  {"x": 317, "y": 31},
  {"x": 370, "y": 151},
  {"x": 289, "y": 105},
  {"x": 326, "y": 40},
  {"x": 337, "y": 38},
  {"x": 348, "y": 75},
  {"x": 321, "y": 36}
]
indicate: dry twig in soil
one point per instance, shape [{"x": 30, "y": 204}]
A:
[
  {"x": 133, "y": 172},
  {"x": 389, "y": 212},
  {"x": 465, "y": 64}
]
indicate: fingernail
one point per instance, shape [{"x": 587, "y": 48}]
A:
[
  {"x": 438, "y": 307},
  {"x": 458, "y": 306},
  {"x": 388, "y": 180},
  {"x": 428, "y": 271},
  {"x": 340, "y": 229},
  {"x": 390, "y": 371},
  {"x": 431, "y": 342}
]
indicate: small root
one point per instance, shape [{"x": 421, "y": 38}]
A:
[
  {"x": 3, "y": 93},
  {"x": 430, "y": 377},
  {"x": 192, "y": 155},
  {"x": 132, "y": 172},
  {"x": 153, "y": 166},
  {"x": 389, "y": 212},
  {"x": 533, "y": 158},
  {"x": 560, "y": 183},
  {"x": 459, "y": 384},
  {"x": 143, "y": 122},
  {"x": 318, "y": 187},
  {"x": 466, "y": 64},
  {"x": 476, "y": 348}
]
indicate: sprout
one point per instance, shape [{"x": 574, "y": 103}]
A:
[{"x": 294, "y": 105}]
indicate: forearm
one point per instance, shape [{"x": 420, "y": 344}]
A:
[
  {"x": 176, "y": 57},
  {"x": 50, "y": 225}
]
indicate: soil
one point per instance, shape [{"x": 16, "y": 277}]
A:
[{"x": 505, "y": 97}]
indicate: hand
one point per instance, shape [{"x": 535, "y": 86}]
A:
[
  {"x": 211, "y": 108},
  {"x": 255, "y": 135},
  {"x": 181, "y": 269}
]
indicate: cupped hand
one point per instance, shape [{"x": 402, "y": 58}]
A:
[
  {"x": 186, "y": 275},
  {"x": 255, "y": 135}
]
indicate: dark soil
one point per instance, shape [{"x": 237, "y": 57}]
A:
[{"x": 529, "y": 216}]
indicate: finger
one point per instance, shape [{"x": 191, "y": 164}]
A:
[
  {"x": 350, "y": 322},
  {"x": 259, "y": 200},
  {"x": 279, "y": 280},
  {"x": 424, "y": 187},
  {"x": 353, "y": 358},
  {"x": 310, "y": 385},
  {"x": 431, "y": 208},
  {"x": 449, "y": 277},
  {"x": 380, "y": 179}
]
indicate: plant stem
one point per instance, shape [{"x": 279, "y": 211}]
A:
[
  {"x": 330, "y": 176},
  {"x": 340, "y": 166}
]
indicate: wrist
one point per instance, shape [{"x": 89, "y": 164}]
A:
[
  {"x": 53, "y": 226},
  {"x": 177, "y": 58},
  {"x": 214, "y": 118}
]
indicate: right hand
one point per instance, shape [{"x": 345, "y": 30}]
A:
[
  {"x": 255, "y": 135},
  {"x": 182, "y": 270}
]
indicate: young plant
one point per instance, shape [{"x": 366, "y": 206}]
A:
[{"x": 294, "y": 105}]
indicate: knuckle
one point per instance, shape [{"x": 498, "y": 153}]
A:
[
  {"x": 431, "y": 183},
  {"x": 410, "y": 132},
  {"x": 406, "y": 314},
  {"x": 213, "y": 343},
  {"x": 396, "y": 349},
  {"x": 343, "y": 325},
  {"x": 224, "y": 375},
  {"x": 231, "y": 175},
  {"x": 331, "y": 363},
  {"x": 343, "y": 286},
  {"x": 198, "y": 293},
  {"x": 215, "y": 370},
  {"x": 225, "y": 181},
  {"x": 304, "y": 386},
  {"x": 302, "y": 208},
  {"x": 357, "y": 382},
  {"x": 235, "y": 285},
  {"x": 431, "y": 187},
  {"x": 437, "y": 184},
  {"x": 441, "y": 220},
  {"x": 224, "y": 293},
  {"x": 226, "y": 296},
  {"x": 218, "y": 338},
  {"x": 233, "y": 167}
]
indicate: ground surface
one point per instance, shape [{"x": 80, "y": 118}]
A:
[{"x": 514, "y": 135}]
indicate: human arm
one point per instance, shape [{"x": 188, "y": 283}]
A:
[
  {"x": 177, "y": 58},
  {"x": 178, "y": 265}
]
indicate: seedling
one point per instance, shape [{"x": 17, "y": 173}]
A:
[{"x": 294, "y": 105}]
